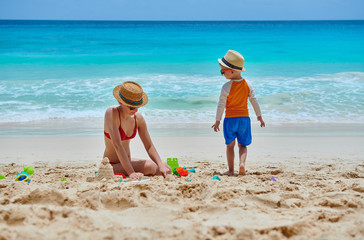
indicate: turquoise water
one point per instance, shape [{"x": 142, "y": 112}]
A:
[{"x": 302, "y": 71}]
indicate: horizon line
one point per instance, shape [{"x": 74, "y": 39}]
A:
[{"x": 104, "y": 20}]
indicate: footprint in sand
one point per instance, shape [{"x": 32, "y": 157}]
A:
[
  {"x": 224, "y": 195},
  {"x": 351, "y": 175},
  {"x": 42, "y": 196},
  {"x": 358, "y": 188},
  {"x": 330, "y": 216},
  {"x": 14, "y": 216},
  {"x": 116, "y": 201},
  {"x": 337, "y": 203},
  {"x": 192, "y": 190},
  {"x": 276, "y": 172}
]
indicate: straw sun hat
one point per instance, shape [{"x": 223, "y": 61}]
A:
[
  {"x": 130, "y": 94},
  {"x": 233, "y": 60}
]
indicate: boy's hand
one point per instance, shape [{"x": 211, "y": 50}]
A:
[
  {"x": 262, "y": 123},
  {"x": 216, "y": 126}
]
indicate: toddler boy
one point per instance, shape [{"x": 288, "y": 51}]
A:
[{"x": 234, "y": 98}]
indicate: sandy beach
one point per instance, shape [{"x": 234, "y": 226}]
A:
[
  {"x": 318, "y": 192},
  {"x": 60, "y": 63}
]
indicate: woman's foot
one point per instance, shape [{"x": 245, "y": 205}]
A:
[{"x": 229, "y": 173}]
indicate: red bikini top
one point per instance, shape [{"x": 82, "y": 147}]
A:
[{"x": 121, "y": 131}]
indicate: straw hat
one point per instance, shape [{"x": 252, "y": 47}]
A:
[
  {"x": 233, "y": 60},
  {"x": 131, "y": 94}
]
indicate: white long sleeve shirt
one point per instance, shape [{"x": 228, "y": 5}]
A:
[{"x": 233, "y": 97}]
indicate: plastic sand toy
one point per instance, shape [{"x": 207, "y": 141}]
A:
[
  {"x": 216, "y": 178},
  {"x": 172, "y": 163},
  {"x": 180, "y": 172},
  {"x": 29, "y": 170},
  {"x": 120, "y": 174},
  {"x": 24, "y": 176},
  {"x": 141, "y": 181}
]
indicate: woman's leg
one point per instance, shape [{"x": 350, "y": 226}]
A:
[{"x": 147, "y": 167}]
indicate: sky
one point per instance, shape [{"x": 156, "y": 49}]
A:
[{"x": 182, "y": 9}]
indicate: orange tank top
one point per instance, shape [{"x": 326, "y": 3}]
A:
[{"x": 237, "y": 100}]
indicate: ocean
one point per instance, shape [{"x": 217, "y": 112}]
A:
[{"x": 58, "y": 76}]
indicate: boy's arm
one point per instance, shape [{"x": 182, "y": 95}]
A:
[
  {"x": 221, "y": 105},
  {"x": 254, "y": 101},
  {"x": 222, "y": 100}
]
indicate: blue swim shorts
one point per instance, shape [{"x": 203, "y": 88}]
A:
[{"x": 238, "y": 127}]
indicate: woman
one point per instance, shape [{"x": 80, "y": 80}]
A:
[{"x": 121, "y": 125}]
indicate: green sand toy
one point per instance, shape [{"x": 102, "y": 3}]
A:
[
  {"x": 29, "y": 170},
  {"x": 173, "y": 163}
]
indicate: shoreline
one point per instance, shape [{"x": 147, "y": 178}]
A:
[{"x": 93, "y": 128}]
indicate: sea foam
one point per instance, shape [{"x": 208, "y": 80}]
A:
[{"x": 328, "y": 98}]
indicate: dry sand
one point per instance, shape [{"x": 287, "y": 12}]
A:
[{"x": 318, "y": 192}]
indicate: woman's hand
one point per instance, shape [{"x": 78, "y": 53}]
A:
[
  {"x": 163, "y": 169},
  {"x": 136, "y": 175}
]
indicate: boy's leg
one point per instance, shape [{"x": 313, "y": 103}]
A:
[
  {"x": 244, "y": 139},
  {"x": 230, "y": 155},
  {"x": 243, "y": 151}
]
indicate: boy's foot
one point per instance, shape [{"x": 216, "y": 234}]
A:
[
  {"x": 242, "y": 170},
  {"x": 229, "y": 173}
]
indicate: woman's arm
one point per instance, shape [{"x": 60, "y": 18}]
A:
[
  {"x": 113, "y": 127},
  {"x": 147, "y": 141}
]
